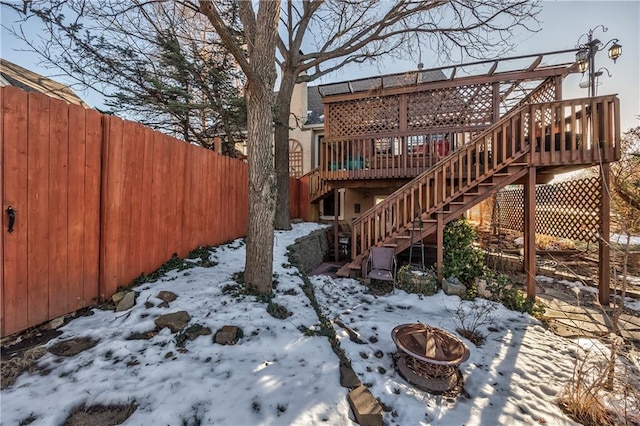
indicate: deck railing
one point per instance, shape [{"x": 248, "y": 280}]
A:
[
  {"x": 574, "y": 141},
  {"x": 383, "y": 157},
  {"x": 317, "y": 187}
]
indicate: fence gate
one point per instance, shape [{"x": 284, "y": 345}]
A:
[{"x": 50, "y": 153}]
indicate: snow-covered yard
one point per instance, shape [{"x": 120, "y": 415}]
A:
[{"x": 283, "y": 371}]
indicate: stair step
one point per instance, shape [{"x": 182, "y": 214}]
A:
[
  {"x": 346, "y": 270},
  {"x": 486, "y": 184},
  {"x": 403, "y": 237},
  {"x": 502, "y": 174},
  {"x": 392, "y": 245}
]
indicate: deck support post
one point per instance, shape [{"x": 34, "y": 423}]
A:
[
  {"x": 440, "y": 246},
  {"x": 336, "y": 225},
  {"x": 604, "y": 267},
  {"x": 530, "y": 231}
]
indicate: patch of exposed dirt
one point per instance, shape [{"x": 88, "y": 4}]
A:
[{"x": 100, "y": 415}]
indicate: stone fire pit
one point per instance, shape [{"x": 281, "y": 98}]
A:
[{"x": 429, "y": 357}]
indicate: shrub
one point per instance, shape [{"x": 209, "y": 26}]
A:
[
  {"x": 469, "y": 320},
  {"x": 278, "y": 311},
  {"x": 502, "y": 290},
  {"x": 418, "y": 281},
  {"x": 461, "y": 259}
]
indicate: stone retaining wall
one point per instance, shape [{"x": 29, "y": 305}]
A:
[{"x": 309, "y": 251}]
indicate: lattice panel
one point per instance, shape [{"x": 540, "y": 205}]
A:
[
  {"x": 364, "y": 116},
  {"x": 545, "y": 93},
  {"x": 565, "y": 210},
  {"x": 450, "y": 107}
]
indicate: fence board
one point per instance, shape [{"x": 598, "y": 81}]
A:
[
  {"x": 166, "y": 248},
  {"x": 136, "y": 163},
  {"x": 155, "y": 250},
  {"x": 39, "y": 233},
  {"x": 188, "y": 189},
  {"x": 146, "y": 226},
  {"x": 124, "y": 201},
  {"x": 111, "y": 209},
  {"x": 209, "y": 219},
  {"x": 58, "y": 207},
  {"x": 14, "y": 144},
  {"x": 76, "y": 205},
  {"x": 93, "y": 170}
]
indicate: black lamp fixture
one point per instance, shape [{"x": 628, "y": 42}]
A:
[{"x": 586, "y": 55}]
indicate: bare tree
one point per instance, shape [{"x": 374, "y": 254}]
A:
[{"x": 320, "y": 37}]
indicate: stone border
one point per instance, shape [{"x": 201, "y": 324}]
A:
[{"x": 366, "y": 409}]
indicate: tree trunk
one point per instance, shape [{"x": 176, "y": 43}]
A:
[
  {"x": 281, "y": 137},
  {"x": 262, "y": 189}
]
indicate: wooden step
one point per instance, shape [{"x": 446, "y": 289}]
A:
[
  {"x": 391, "y": 245},
  {"x": 345, "y": 271},
  {"x": 403, "y": 237}
]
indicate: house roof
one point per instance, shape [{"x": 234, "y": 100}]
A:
[
  {"x": 15, "y": 75},
  {"x": 315, "y": 108}
]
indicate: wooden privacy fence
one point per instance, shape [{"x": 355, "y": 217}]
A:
[
  {"x": 98, "y": 200},
  {"x": 565, "y": 210}
]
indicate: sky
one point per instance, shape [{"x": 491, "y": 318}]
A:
[
  {"x": 283, "y": 371},
  {"x": 562, "y": 24}
]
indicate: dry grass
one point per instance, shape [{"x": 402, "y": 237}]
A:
[
  {"x": 26, "y": 361},
  {"x": 590, "y": 399}
]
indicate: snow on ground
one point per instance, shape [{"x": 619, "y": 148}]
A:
[
  {"x": 278, "y": 375},
  {"x": 633, "y": 240},
  {"x": 512, "y": 379}
]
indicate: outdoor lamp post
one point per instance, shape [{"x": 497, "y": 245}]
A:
[{"x": 586, "y": 55}]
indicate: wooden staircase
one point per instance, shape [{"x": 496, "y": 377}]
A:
[
  {"x": 318, "y": 188},
  {"x": 498, "y": 157}
]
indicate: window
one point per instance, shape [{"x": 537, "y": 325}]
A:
[
  {"x": 295, "y": 158},
  {"x": 327, "y": 206}
]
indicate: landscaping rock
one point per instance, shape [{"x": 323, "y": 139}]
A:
[
  {"x": 127, "y": 302},
  {"x": 348, "y": 378},
  {"x": 163, "y": 305},
  {"x": 366, "y": 408},
  {"x": 175, "y": 321},
  {"x": 142, "y": 336},
  {"x": 196, "y": 331},
  {"x": 167, "y": 296},
  {"x": 483, "y": 291},
  {"x": 116, "y": 298},
  {"x": 453, "y": 287},
  {"x": 227, "y": 335},
  {"x": 72, "y": 347},
  {"x": 56, "y": 323}
]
